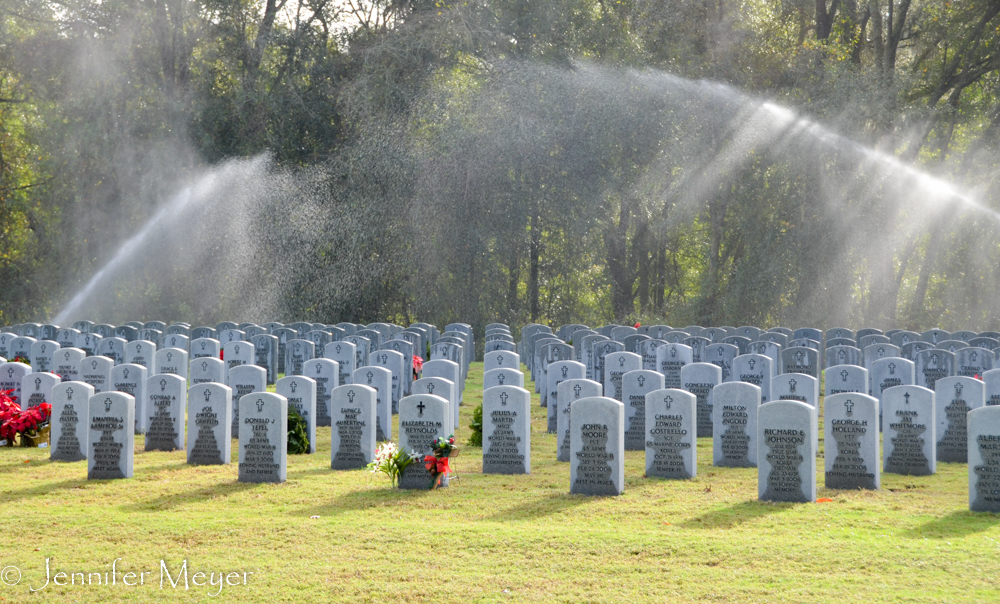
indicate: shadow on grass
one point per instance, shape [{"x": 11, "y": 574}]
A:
[
  {"x": 955, "y": 524},
  {"x": 46, "y": 488},
  {"x": 539, "y": 507},
  {"x": 172, "y": 500},
  {"x": 737, "y": 514},
  {"x": 355, "y": 501}
]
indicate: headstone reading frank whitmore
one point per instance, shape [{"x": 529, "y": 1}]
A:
[
  {"x": 506, "y": 430},
  {"x": 908, "y": 431},
  {"x": 597, "y": 446},
  {"x": 263, "y": 437}
]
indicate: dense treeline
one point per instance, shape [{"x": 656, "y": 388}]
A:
[{"x": 562, "y": 161}]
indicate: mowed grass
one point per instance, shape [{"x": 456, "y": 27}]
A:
[{"x": 327, "y": 536}]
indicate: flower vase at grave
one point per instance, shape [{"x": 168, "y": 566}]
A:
[{"x": 39, "y": 439}]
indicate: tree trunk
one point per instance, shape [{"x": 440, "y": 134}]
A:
[
  {"x": 616, "y": 238},
  {"x": 534, "y": 250}
]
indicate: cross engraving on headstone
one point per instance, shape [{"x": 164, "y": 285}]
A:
[
  {"x": 163, "y": 385},
  {"x": 421, "y": 407},
  {"x": 107, "y": 405},
  {"x": 503, "y": 399},
  {"x": 500, "y": 378},
  {"x": 576, "y": 390},
  {"x": 350, "y": 396},
  {"x": 668, "y": 400},
  {"x": 843, "y": 375},
  {"x": 430, "y": 388},
  {"x": 907, "y": 398},
  {"x": 370, "y": 375},
  {"x": 849, "y": 404},
  {"x": 69, "y": 394},
  {"x": 208, "y": 394},
  {"x": 260, "y": 405},
  {"x": 791, "y": 385},
  {"x": 642, "y": 380}
]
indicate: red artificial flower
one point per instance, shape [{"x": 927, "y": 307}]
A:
[
  {"x": 637, "y": 325},
  {"x": 441, "y": 463}
]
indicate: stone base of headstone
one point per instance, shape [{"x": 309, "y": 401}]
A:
[{"x": 417, "y": 477}]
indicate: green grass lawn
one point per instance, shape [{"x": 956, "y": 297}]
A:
[{"x": 346, "y": 536}]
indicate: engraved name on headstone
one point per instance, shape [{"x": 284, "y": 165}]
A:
[
  {"x": 506, "y": 430},
  {"x": 70, "y": 421},
  {"x": 300, "y": 393},
  {"x": 263, "y": 435},
  {"x": 954, "y": 397},
  {"x": 380, "y": 379},
  {"x": 786, "y": 470},
  {"x": 597, "y": 446},
  {"x": 111, "y": 437},
  {"x": 353, "y": 430},
  {"x": 850, "y": 429},
  {"x": 166, "y": 401},
  {"x": 734, "y": 433},
  {"x": 671, "y": 434},
  {"x": 908, "y": 426},
  {"x": 209, "y": 417},
  {"x": 984, "y": 459},
  {"x": 568, "y": 392},
  {"x": 700, "y": 379}
]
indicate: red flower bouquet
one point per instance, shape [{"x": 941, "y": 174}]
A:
[
  {"x": 30, "y": 424},
  {"x": 437, "y": 462}
]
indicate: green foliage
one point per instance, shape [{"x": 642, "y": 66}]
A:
[
  {"x": 298, "y": 434},
  {"x": 527, "y": 173},
  {"x": 476, "y": 438}
]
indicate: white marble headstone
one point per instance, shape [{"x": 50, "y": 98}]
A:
[
  {"x": 506, "y": 430},
  {"x": 70, "y": 421},
  {"x": 671, "y": 434},
  {"x": 597, "y": 446},
  {"x": 353, "y": 431},
  {"x": 111, "y": 438},
  {"x": 300, "y": 392},
  {"x": 209, "y": 420},
  {"x": 263, "y": 436}
]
